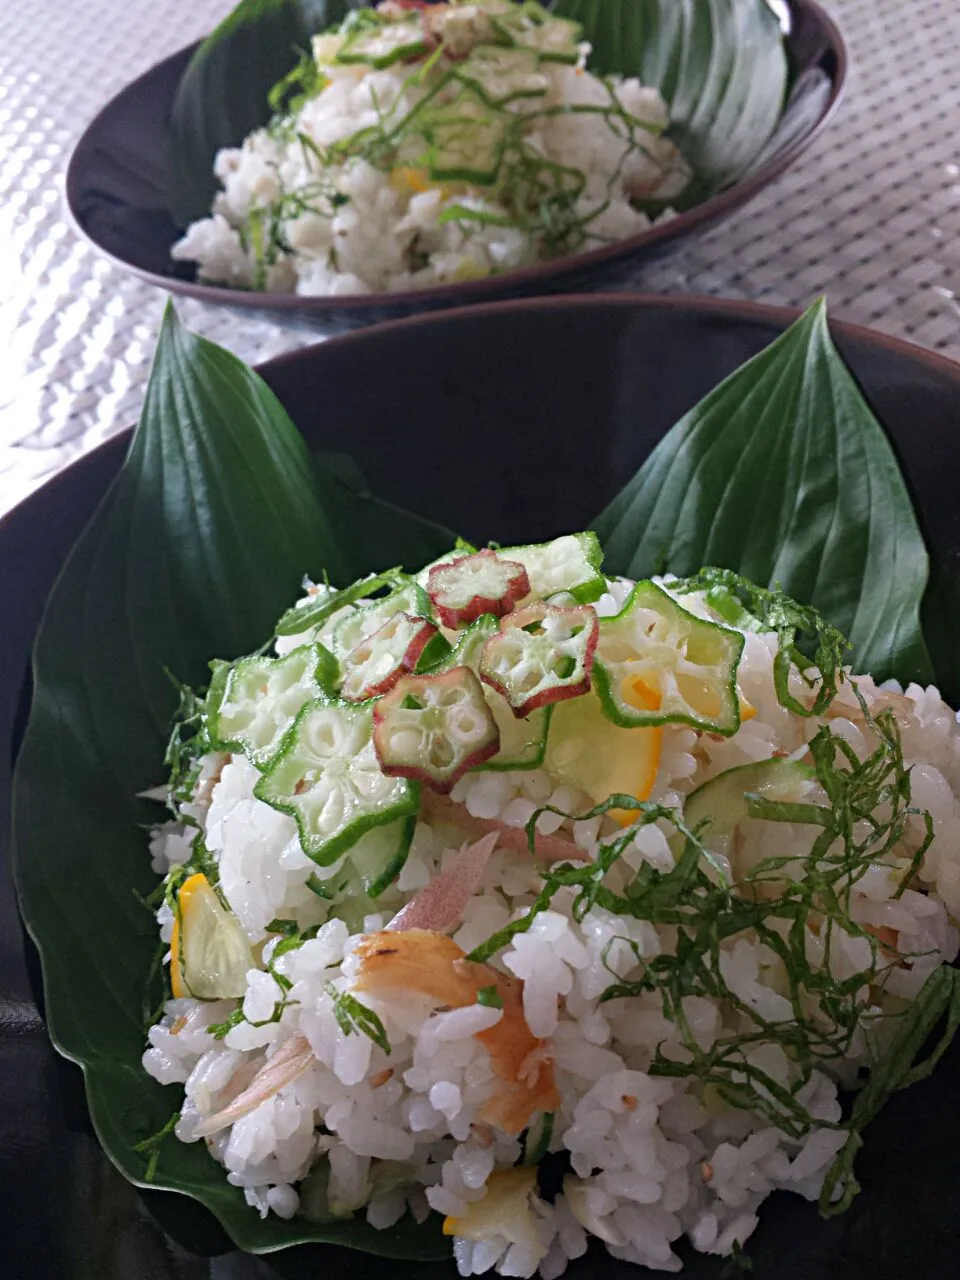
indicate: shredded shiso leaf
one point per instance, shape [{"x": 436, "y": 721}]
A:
[{"x": 459, "y": 131}]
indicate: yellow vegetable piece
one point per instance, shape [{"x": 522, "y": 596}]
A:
[
  {"x": 590, "y": 752},
  {"x": 747, "y": 710},
  {"x": 503, "y": 1211},
  {"x": 469, "y": 270},
  {"x": 209, "y": 951},
  {"x": 641, "y": 693},
  {"x": 407, "y": 178}
]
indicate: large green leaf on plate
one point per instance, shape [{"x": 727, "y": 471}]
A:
[
  {"x": 720, "y": 64},
  {"x": 223, "y": 93},
  {"x": 784, "y": 475},
  {"x": 195, "y": 551}
]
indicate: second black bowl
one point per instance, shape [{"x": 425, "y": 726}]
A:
[{"x": 115, "y": 193}]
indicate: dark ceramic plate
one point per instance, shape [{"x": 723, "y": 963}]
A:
[
  {"x": 566, "y": 397},
  {"x": 115, "y": 194}
]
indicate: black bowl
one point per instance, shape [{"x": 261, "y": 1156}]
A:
[
  {"x": 115, "y": 195},
  {"x": 521, "y": 418}
]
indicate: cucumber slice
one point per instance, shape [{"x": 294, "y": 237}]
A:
[
  {"x": 373, "y": 863},
  {"x": 502, "y": 75},
  {"x": 253, "y": 703},
  {"x": 384, "y": 44},
  {"x": 349, "y": 631},
  {"x": 327, "y": 777},
  {"x": 722, "y": 802},
  {"x": 523, "y": 742},
  {"x": 210, "y": 954},
  {"x": 590, "y": 753},
  {"x": 571, "y": 563},
  {"x": 656, "y": 664}
]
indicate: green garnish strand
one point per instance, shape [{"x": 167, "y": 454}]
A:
[
  {"x": 939, "y": 998},
  {"x": 153, "y": 1144},
  {"x": 863, "y": 822},
  {"x": 490, "y": 998},
  {"x": 186, "y": 745},
  {"x": 352, "y": 1016},
  {"x": 297, "y": 87},
  {"x": 201, "y": 861},
  {"x": 151, "y": 1011},
  {"x": 219, "y": 1029},
  {"x": 737, "y": 1265},
  {"x": 754, "y": 608}
]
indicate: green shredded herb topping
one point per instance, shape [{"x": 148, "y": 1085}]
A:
[
  {"x": 187, "y": 744},
  {"x": 352, "y": 1016},
  {"x": 797, "y": 906},
  {"x": 151, "y": 1146}
]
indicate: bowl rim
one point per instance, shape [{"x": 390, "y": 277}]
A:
[
  {"x": 712, "y": 209},
  {"x": 734, "y": 309}
]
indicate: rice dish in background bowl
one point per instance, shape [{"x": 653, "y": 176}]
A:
[
  {"x": 749, "y": 99},
  {"x": 433, "y": 145}
]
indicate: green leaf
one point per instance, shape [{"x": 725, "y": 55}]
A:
[
  {"x": 223, "y": 94},
  {"x": 940, "y": 616},
  {"x": 783, "y": 474},
  {"x": 197, "y": 547},
  {"x": 720, "y": 64}
]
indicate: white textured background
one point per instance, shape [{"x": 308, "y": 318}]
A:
[{"x": 871, "y": 216}]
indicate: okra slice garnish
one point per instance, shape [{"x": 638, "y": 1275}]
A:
[
  {"x": 254, "y": 702},
  {"x": 349, "y": 630},
  {"x": 382, "y": 44},
  {"x": 523, "y": 742},
  {"x": 380, "y": 659},
  {"x": 656, "y": 662},
  {"x": 466, "y": 140},
  {"x": 571, "y": 564},
  {"x": 327, "y": 777},
  {"x": 541, "y": 654},
  {"x": 434, "y": 728},
  {"x": 553, "y": 39},
  {"x": 464, "y": 589},
  {"x": 500, "y": 75}
]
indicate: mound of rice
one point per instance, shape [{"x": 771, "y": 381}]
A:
[
  {"x": 485, "y": 149},
  {"x": 649, "y": 1157}
]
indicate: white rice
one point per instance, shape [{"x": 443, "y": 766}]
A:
[
  {"x": 376, "y": 227},
  {"x": 652, "y": 1161}
]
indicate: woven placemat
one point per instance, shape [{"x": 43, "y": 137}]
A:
[{"x": 870, "y": 216}]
